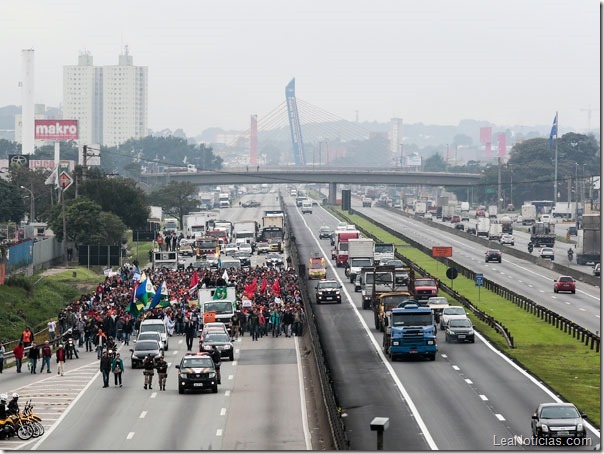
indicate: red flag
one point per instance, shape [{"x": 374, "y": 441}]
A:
[
  {"x": 263, "y": 285},
  {"x": 193, "y": 284},
  {"x": 277, "y": 287},
  {"x": 254, "y": 286}
]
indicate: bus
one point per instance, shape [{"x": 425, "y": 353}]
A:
[{"x": 542, "y": 206}]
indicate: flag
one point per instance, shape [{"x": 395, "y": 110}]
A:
[
  {"x": 220, "y": 293},
  {"x": 225, "y": 276},
  {"x": 161, "y": 294},
  {"x": 145, "y": 290},
  {"x": 137, "y": 274},
  {"x": 263, "y": 285},
  {"x": 277, "y": 287},
  {"x": 194, "y": 282},
  {"x": 134, "y": 308},
  {"x": 554, "y": 132}
]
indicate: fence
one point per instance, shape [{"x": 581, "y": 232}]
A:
[{"x": 567, "y": 326}]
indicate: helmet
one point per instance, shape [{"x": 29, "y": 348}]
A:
[
  {"x": 4, "y": 397},
  {"x": 15, "y": 396}
]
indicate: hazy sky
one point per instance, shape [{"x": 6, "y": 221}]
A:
[{"x": 214, "y": 63}]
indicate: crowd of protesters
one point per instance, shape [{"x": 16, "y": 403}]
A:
[{"x": 268, "y": 304}]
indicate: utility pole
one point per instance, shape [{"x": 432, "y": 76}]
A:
[
  {"x": 499, "y": 185},
  {"x": 64, "y": 227}
]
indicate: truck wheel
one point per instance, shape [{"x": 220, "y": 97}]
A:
[
  {"x": 376, "y": 321},
  {"x": 447, "y": 338},
  {"x": 432, "y": 357},
  {"x": 181, "y": 390}
]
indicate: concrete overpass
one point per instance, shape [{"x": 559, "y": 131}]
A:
[{"x": 296, "y": 176}]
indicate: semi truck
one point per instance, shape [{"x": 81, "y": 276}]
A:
[
  {"x": 194, "y": 224},
  {"x": 419, "y": 208},
  {"x": 492, "y": 211},
  {"x": 482, "y": 227},
  {"x": 360, "y": 254},
  {"x": 245, "y": 231},
  {"x": 542, "y": 234},
  {"x": 410, "y": 331},
  {"x": 529, "y": 214},
  {"x": 588, "y": 240},
  {"x": 507, "y": 225}
]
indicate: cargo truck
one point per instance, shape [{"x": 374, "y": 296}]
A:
[
  {"x": 447, "y": 213},
  {"x": 492, "y": 210},
  {"x": 507, "y": 225},
  {"x": 419, "y": 208},
  {"x": 245, "y": 231},
  {"x": 465, "y": 211},
  {"x": 340, "y": 254},
  {"x": 542, "y": 234},
  {"x": 482, "y": 227},
  {"x": 194, "y": 224},
  {"x": 410, "y": 331},
  {"x": 565, "y": 210},
  {"x": 529, "y": 214},
  {"x": 495, "y": 231},
  {"x": 272, "y": 231},
  {"x": 588, "y": 240},
  {"x": 383, "y": 252},
  {"x": 360, "y": 254}
]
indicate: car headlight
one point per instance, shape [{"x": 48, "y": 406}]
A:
[
  {"x": 337, "y": 292},
  {"x": 212, "y": 374},
  {"x": 471, "y": 332},
  {"x": 395, "y": 343},
  {"x": 580, "y": 427},
  {"x": 183, "y": 375},
  {"x": 544, "y": 428},
  {"x": 430, "y": 342},
  {"x": 227, "y": 347}
]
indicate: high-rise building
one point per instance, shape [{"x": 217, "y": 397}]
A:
[
  {"x": 82, "y": 98},
  {"x": 109, "y": 102}
]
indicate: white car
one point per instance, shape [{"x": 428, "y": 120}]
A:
[
  {"x": 547, "y": 253},
  {"x": 506, "y": 238},
  {"x": 245, "y": 247},
  {"x": 230, "y": 248},
  {"x": 450, "y": 313}
]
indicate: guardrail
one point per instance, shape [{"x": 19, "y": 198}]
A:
[
  {"x": 568, "y": 326},
  {"x": 336, "y": 424}
]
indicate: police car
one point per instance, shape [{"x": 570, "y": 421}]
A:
[{"x": 197, "y": 371}]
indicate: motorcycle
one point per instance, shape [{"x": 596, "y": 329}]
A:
[
  {"x": 530, "y": 247},
  {"x": 570, "y": 254}
]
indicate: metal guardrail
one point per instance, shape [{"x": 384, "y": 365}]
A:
[
  {"x": 562, "y": 323},
  {"x": 336, "y": 424}
]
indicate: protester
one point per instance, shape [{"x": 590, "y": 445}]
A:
[
  {"x": 18, "y": 353},
  {"x": 46, "y": 355},
  {"x": 33, "y": 355},
  {"x": 60, "y": 354},
  {"x": 117, "y": 367},
  {"x": 105, "y": 368}
]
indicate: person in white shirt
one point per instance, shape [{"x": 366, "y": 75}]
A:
[{"x": 52, "y": 327}]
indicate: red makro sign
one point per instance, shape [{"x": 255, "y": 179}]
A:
[{"x": 56, "y": 130}]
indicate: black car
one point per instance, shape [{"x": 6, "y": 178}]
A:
[
  {"x": 328, "y": 291},
  {"x": 222, "y": 342},
  {"x": 459, "y": 226},
  {"x": 197, "y": 371},
  {"x": 558, "y": 420},
  {"x": 142, "y": 349},
  {"x": 471, "y": 230},
  {"x": 250, "y": 204},
  {"x": 325, "y": 232},
  {"x": 492, "y": 255},
  {"x": 459, "y": 330}
]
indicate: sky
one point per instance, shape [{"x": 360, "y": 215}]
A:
[{"x": 215, "y": 63}]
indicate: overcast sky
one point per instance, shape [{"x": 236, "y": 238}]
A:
[{"x": 214, "y": 63}]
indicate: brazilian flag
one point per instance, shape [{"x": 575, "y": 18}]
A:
[{"x": 220, "y": 293}]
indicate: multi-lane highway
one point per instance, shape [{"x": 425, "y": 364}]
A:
[{"x": 470, "y": 398}]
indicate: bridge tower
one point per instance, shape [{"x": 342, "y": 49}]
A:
[
  {"x": 254, "y": 140},
  {"x": 294, "y": 123}
]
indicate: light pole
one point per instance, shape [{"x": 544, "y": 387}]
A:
[
  {"x": 512, "y": 186},
  {"x": 31, "y": 204}
]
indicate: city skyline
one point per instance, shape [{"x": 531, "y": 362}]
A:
[{"x": 433, "y": 62}]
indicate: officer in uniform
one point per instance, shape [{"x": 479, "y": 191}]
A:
[
  {"x": 162, "y": 372},
  {"x": 216, "y": 357},
  {"x": 148, "y": 365}
]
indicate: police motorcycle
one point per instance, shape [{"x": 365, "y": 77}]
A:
[{"x": 70, "y": 345}]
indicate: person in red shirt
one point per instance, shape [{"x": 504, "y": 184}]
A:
[
  {"x": 19, "y": 351},
  {"x": 27, "y": 337},
  {"x": 60, "y": 359}
]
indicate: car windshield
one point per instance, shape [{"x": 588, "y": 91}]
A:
[
  {"x": 454, "y": 311},
  {"x": 156, "y": 327},
  {"x": 437, "y": 300},
  {"x": 216, "y": 337},
  {"x": 220, "y": 307},
  {"x": 393, "y": 300},
  {"x": 196, "y": 363},
  {"x": 424, "y": 319},
  {"x": 147, "y": 345},
  {"x": 327, "y": 284},
  {"x": 566, "y": 279},
  {"x": 148, "y": 335},
  {"x": 559, "y": 413},
  {"x": 325, "y": 230},
  {"x": 461, "y": 323},
  {"x": 424, "y": 283}
]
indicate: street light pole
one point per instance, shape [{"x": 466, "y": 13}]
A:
[{"x": 31, "y": 204}]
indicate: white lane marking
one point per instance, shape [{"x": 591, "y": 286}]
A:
[
  {"x": 222, "y": 411},
  {"x": 378, "y": 348},
  {"x": 219, "y": 433},
  {"x": 468, "y": 381},
  {"x": 581, "y": 309},
  {"x": 230, "y": 377},
  {"x": 443, "y": 355},
  {"x": 153, "y": 395},
  {"x": 455, "y": 367},
  {"x": 483, "y": 397},
  {"x": 305, "y": 429},
  {"x": 169, "y": 364},
  {"x": 234, "y": 363},
  {"x": 175, "y": 352},
  {"x": 227, "y": 393},
  {"x": 499, "y": 417},
  {"x": 143, "y": 414},
  {"x": 180, "y": 341},
  {"x": 130, "y": 436}
]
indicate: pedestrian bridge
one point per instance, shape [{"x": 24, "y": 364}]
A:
[{"x": 258, "y": 175}]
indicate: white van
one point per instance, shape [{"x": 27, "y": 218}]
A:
[
  {"x": 158, "y": 326},
  {"x": 225, "y": 204},
  {"x": 307, "y": 207}
]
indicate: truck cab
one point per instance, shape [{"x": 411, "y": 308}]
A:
[{"x": 410, "y": 331}]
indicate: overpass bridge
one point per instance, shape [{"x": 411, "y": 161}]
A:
[{"x": 333, "y": 177}]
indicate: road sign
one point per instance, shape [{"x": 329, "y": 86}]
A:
[
  {"x": 65, "y": 180},
  {"x": 452, "y": 273},
  {"x": 479, "y": 280},
  {"x": 442, "y": 251}
]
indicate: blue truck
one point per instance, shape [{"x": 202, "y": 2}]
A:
[{"x": 410, "y": 331}]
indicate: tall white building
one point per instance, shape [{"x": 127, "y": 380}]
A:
[
  {"x": 125, "y": 96},
  {"x": 396, "y": 139},
  {"x": 82, "y": 98},
  {"x": 109, "y": 102}
]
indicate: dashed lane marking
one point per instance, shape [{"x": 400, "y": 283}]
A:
[
  {"x": 455, "y": 367},
  {"x": 222, "y": 411},
  {"x": 483, "y": 397},
  {"x": 143, "y": 414},
  {"x": 130, "y": 436},
  {"x": 499, "y": 417}
]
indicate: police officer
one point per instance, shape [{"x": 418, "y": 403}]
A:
[
  {"x": 162, "y": 372},
  {"x": 216, "y": 357},
  {"x": 148, "y": 366}
]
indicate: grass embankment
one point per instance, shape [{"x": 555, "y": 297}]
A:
[
  {"x": 33, "y": 301},
  {"x": 566, "y": 365}
]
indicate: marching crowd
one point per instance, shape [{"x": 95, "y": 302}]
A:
[{"x": 268, "y": 303}]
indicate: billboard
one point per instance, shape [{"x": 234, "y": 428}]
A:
[
  {"x": 20, "y": 160},
  {"x": 56, "y": 130}
]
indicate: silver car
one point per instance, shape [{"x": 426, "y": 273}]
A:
[{"x": 547, "y": 253}]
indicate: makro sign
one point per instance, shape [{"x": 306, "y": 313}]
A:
[{"x": 56, "y": 130}]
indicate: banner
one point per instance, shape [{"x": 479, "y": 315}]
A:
[{"x": 56, "y": 130}]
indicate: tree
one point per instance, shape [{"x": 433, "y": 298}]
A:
[
  {"x": 176, "y": 199},
  {"x": 87, "y": 223},
  {"x": 435, "y": 163},
  {"x": 12, "y": 206}
]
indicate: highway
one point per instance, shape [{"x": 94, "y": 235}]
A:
[
  {"x": 470, "y": 398},
  {"x": 531, "y": 280}
]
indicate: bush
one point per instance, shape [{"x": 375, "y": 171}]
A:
[{"x": 20, "y": 281}]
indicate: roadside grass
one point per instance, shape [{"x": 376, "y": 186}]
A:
[
  {"x": 567, "y": 366},
  {"x": 140, "y": 253}
]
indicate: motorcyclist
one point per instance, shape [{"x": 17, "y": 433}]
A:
[
  {"x": 216, "y": 357},
  {"x": 570, "y": 253},
  {"x": 530, "y": 247},
  {"x": 3, "y": 399},
  {"x": 13, "y": 405}
]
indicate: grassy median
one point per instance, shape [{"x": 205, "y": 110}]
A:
[{"x": 563, "y": 363}]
